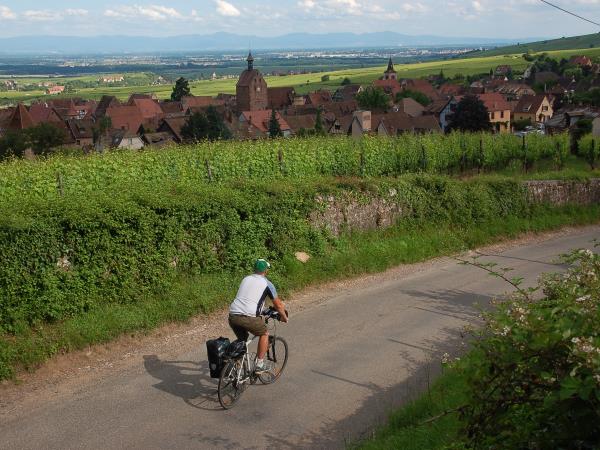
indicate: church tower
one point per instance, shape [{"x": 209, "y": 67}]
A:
[
  {"x": 390, "y": 73},
  {"x": 251, "y": 89}
]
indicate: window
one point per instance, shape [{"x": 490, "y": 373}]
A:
[
  {"x": 502, "y": 114},
  {"x": 544, "y": 108}
]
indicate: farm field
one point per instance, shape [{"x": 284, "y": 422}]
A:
[{"x": 304, "y": 83}]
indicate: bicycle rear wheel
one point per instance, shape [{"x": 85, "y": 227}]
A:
[
  {"x": 230, "y": 388},
  {"x": 277, "y": 355}
]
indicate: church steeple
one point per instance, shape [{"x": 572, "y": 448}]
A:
[
  {"x": 390, "y": 66},
  {"x": 250, "y": 60}
]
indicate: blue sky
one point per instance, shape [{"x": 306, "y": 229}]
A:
[{"x": 477, "y": 18}]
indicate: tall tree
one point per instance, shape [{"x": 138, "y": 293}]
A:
[
  {"x": 373, "y": 98},
  {"x": 319, "y": 130},
  {"x": 216, "y": 126},
  {"x": 180, "y": 90},
  {"x": 13, "y": 143},
  {"x": 274, "y": 127},
  {"x": 470, "y": 115},
  {"x": 195, "y": 128},
  {"x": 45, "y": 137}
]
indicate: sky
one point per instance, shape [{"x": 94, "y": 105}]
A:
[{"x": 512, "y": 19}]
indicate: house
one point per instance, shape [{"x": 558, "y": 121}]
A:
[
  {"x": 158, "y": 139},
  {"x": 126, "y": 118},
  {"x": 305, "y": 122},
  {"x": 111, "y": 79},
  {"x": 390, "y": 86},
  {"x": 82, "y": 132},
  {"x": 564, "y": 119},
  {"x": 280, "y": 97},
  {"x": 107, "y": 101},
  {"x": 20, "y": 119},
  {"x": 259, "y": 121},
  {"x": 55, "y": 90},
  {"x": 318, "y": 98},
  {"x": 442, "y": 110},
  {"x": 514, "y": 91},
  {"x": 498, "y": 110},
  {"x": 346, "y": 93},
  {"x": 5, "y": 116},
  {"x": 125, "y": 139},
  {"x": 536, "y": 108},
  {"x": 396, "y": 123},
  {"x": 43, "y": 113},
  {"x": 172, "y": 126},
  {"x": 451, "y": 89},
  {"x": 149, "y": 109},
  {"x": 580, "y": 60},
  {"x": 170, "y": 108},
  {"x": 503, "y": 71},
  {"x": 360, "y": 124},
  {"x": 199, "y": 102},
  {"x": 251, "y": 89},
  {"x": 423, "y": 86},
  {"x": 409, "y": 106}
]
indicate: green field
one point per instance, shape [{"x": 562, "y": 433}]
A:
[
  {"x": 587, "y": 41},
  {"x": 306, "y": 82}
]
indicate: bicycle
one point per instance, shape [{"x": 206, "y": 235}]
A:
[{"x": 238, "y": 371}]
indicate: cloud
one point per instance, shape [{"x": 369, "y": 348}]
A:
[
  {"x": 415, "y": 7},
  {"x": 152, "y": 12},
  {"x": 6, "y": 13},
  {"x": 333, "y": 8},
  {"x": 76, "y": 12},
  {"x": 36, "y": 15},
  {"x": 227, "y": 9}
]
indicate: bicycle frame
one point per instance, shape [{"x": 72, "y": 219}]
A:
[{"x": 246, "y": 358}]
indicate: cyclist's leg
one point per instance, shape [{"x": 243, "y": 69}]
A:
[{"x": 237, "y": 325}]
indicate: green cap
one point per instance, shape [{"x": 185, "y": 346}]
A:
[{"x": 261, "y": 265}]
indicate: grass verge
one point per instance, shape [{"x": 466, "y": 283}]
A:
[{"x": 348, "y": 256}]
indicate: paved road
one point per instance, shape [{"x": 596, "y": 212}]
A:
[{"x": 353, "y": 358}]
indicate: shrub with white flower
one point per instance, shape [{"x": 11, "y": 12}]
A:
[{"x": 534, "y": 373}]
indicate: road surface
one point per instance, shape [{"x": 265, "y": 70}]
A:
[{"x": 353, "y": 358}]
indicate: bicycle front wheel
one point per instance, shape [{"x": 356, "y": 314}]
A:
[
  {"x": 231, "y": 384},
  {"x": 277, "y": 356}
]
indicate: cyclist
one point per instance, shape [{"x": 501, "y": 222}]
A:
[{"x": 245, "y": 310}]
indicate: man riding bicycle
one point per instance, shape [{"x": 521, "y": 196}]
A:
[{"x": 245, "y": 311}]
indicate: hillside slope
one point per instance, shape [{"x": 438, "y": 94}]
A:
[{"x": 564, "y": 43}]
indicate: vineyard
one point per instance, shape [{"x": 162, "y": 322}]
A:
[{"x": 217, "y": 162}]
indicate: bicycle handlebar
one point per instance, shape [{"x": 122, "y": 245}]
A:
[{"x": 272, "y": 313}]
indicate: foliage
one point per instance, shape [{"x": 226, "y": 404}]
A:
[
  {"x": 205, "y": 126},
  {"x": 319, "y": 130},
  {"x": 590, "y": 97},
  {"x": 415, "y": 95},
  {"x": 520, "y": 125},
  {"x": 43, "y": 137},
  {"x": 325, "y": 78},
  {"x": 346, "y": 81},
  {"x": 470, "y": 115},
  {"x": 373, "y": 98},
  {"x": 302, "y": 158},
  {"x": 13, "y": 143},
  {"x": 535, "y": 367},
  {"x": 589, "y": 148},
  {"x": 274, "y": 127},
  {"x": 180, "y": 90}
]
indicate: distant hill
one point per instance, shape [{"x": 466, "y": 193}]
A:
[
  {"x": 564, "y": 43},
  {"x": 228, "y": 41}
]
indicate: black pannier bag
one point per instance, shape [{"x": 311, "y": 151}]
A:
[
  {"x": 216, "y": 350},
  {"x": 236, "y": 349}
]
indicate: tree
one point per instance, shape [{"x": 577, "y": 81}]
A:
[
  {"x": 44, "y": 137},
  {"x": 325, "y": 78},
  {"x": 346, "y": 81},
  {"x": 373, "y": 98},
  {"x": 216, "y": 126},
  {"x": 470, "y": 115},
  {"x": 195, "y": 128},
  {"x": 99, "y": 131},
  {"x": 180, "y": 90},
  {"x": 13, "y": 143},
  {"x": 274, "y": 127},
  {"x": 319, "y": 130},
  {"x": 415, "y": 95}
]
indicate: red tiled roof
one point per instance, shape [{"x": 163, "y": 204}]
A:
[
  {"x": 171, "y": 107},
  {"x": 42, "y": 113},
  {"x": 280, "y": 97},
  {"x": 318, "y": 98},
  {"x": 306, "y": 121},
  {"x": 20, "y": 119},
  {"x": 260, "y": 119},
  {"x": 391, "y": 87},
  {"x": 149, "y": 109},
  {"x": 199, "y": 102},
  {"x": 529, "y": 103},
  {"x": 494, "y": 102},
  {"x": 422, "y": 86},
  {"x": 125, "y": 118},
  {"x": 451, "y": 89},
  {"x": 247, "y": 76},
  {"x": 399, "y": 122},
  {"x": 173, "y": 125},
  {"x": 411, "y": 107}
]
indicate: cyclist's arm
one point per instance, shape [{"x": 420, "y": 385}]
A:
[{"x": 280, "y": 307}]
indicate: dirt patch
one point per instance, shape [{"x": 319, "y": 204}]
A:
[{"x": 68, "y": 373}]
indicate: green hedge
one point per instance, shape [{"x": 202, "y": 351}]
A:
[{"x": 65, "y": 256}]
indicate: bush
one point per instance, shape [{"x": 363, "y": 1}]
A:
[
  {"x": 325, "y": 78},
  {"x": 534, "y": 371}
]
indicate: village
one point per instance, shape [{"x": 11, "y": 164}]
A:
[{"x": 549, "y": 97}]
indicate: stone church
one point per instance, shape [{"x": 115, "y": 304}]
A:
[{"x": 251, "y": 89}]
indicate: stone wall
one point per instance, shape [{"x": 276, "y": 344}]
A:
[
  {"x": 363, "y": 212},
  {"x": 561, "y": 193}
]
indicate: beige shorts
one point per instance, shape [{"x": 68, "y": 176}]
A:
[{"x": 242, "y": 325}]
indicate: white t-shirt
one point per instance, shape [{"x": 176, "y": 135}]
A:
[{"x": 251, "y": 296}]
